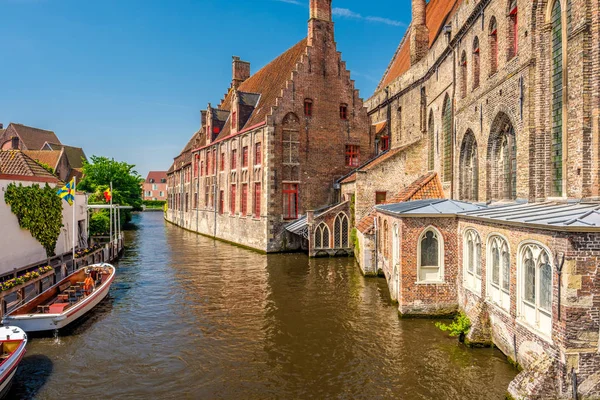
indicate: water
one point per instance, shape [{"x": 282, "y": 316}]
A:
[{"x": 191, "y": 318}]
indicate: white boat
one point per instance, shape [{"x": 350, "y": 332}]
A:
[
  {"x": 64, "y": 302},
  {"x": 13, "y": 341}
]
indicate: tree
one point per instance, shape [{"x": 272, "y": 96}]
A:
[{"x": 101, "y": 171}]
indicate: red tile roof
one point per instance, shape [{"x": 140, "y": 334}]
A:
[
  {"x": 15, "y": 163},
  {"x": 157, "y": 176},
  {"x": 427, "y": 186},
  {"x": 48, "y": 157},
  {"x": 438, "y": 12}
]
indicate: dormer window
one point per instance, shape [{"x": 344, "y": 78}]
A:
[
  {"x": 15, "y": 143},
  {"x": 343, "y": 111},
  {"x": 151, "y": 180},
  {"x": 308, "y": 103}
]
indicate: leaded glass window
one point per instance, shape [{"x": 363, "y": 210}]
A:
[
  {"x": 502, "y": 153},
  {"x": 537, "y": 287},
  {"x": 505, "y": 268},
  {"x": 472, "y": 256},
  {"x": 469, "y": 168},
  {"x": 495, "y": 264},
  {"x": 431, "y": 134},
  {"x": 529, "y": 269},
  {"x": 557, "y": 101},
  {"x": 340, "y": 232},
  {"x": 429, "y": 250},
  {"x": 430, "y": 256},
  {"x": 475, "y": 63},
  {"x": 500, "y": 255},
  {"x": 322, "y": 237},
  {"x": 447, "y": 127}
]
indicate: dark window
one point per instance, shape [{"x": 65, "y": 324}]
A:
[
  {"x": 221, "y": 201},
  {"x": 15, "y": 143},
  {"x": 258, "y": 154},
  {"x": 244, "y": 199},
  {"x": 245, "y": 157},
  {"x": 513, "y": 30},
  {"x": 469, "y": 168},
  {"x": 257, "y": 199},
  {"x": 343, "y": 111},
  {"x": 463, "y": 75},
  {"x": 557, "y": 101},
  {"x": 232, "y": 199},
  {"x": 385, "y": 143},
  {"x": 447, "y": 126},
  {"x": 352, "y": 156},
  {"x": 493, "y": 46},
  {"x": 429, "y": 250},
  {"x": 290, "y": 201},
  {"x": 476, "y": 63},
  {"x": 308, "y": 107},
  {"x": 222, "y": 161},
  {"x": 380, "y": 197},
  {"x": 214, "y": 155},
  {"x": 233, "y": 159}
]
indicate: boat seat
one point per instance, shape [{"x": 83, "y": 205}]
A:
[
  {"x": 58, "y": 308},
  {"x": 64, "y": 286}
]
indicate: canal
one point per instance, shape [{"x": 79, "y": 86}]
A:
[{"x": 191, "y": 318}]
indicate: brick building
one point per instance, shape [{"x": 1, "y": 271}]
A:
[
  {"x": 499, "y": 99},
  {"x": 155, "y": 186},
  {"x": 274, "y": 147}
]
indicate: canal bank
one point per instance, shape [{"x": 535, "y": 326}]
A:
[{"x": 190, "y": 317}]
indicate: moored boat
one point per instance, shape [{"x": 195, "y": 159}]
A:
[
  {"x": 13, "y": 341},
  {"x": 65, "y": 302}
]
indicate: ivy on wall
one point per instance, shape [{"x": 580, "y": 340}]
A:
[{"x": 39, "y": 210}]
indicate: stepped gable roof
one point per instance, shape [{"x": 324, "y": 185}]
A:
[
  {"x": 34, "y": 138},
  {"x": 157, "y": 176},
  {"x": 268, "y": 82},
  {"x": 427, "y": 186},
  {"x": 16, "y": 164},
  {"x": 438, "y": 12},
  {"x": 48, "y": 157}
]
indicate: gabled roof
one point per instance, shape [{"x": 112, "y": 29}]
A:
[
  {"x": 17, "y": 164},
  {"x": 437, "y": 13},
  {"x": 156, "y": 176},
  {"x": 48, "y": 157},
  {"x": 427, "y": 186},
  {"x": 75, "y": 155},
  {"x": 34, "y": 138}
]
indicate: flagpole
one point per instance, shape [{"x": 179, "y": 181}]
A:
[{"x": 74, "y": 197}]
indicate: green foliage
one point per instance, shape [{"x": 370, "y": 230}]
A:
[
  {"x": 458, "y": 327},
  {"x": 154, "y": 203},
  {"x": 46, "y": 167},
  {"x": 99, "y": 223},
  {"x": 39, "y": 210},
  {"x": 101, "y": 171},
  {"x": 354, "y": 239}
]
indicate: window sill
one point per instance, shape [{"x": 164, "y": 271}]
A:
[
  {"x": 431, "y": 283},
  {"x": 539, "y": 334}
]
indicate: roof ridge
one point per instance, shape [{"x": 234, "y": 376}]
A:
[{"x": 31, "y": 127}]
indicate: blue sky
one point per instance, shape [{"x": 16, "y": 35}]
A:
[{"x": 128, "y": 78}]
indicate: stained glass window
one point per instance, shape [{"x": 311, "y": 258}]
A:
[{"x": 340, "y": 232}]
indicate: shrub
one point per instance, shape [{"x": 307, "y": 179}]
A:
[
  {"x": 99, "y": 224},
  {"x": 460, "y": 326}
]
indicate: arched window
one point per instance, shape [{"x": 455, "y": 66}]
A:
[
  {"x": 535, "y": 291},
  {"x": 469, "y": 168},
  {"x": 513, "y": 29},
  {"x": 386, "y": 234},
  {"x": 430, "y": 255},
  {"x": 340, "y": 231},
  {"x": 431, "y": 135},
  {"x": 447, "y": 127},
  {"x": 502, "y": 160},
  {"x": 499, "y": 271},
  {"x": 493, "y": 46},
  {"x": 472, "y": 260},
  {"x": 557, "y": 100},
  {"x": 463, "y": 74},
  {"x": 475, "y": 63},
  {"x": 322, "y": 236}
]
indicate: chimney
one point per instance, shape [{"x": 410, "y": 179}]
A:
[
  {"x": 241, "y": 72},
  {"x": 419, "y": 34},
  {"x": 320, "y": 24},
  {"x": 202, "y": 119}
]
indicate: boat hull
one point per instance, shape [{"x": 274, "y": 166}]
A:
[
  {"x": 8, "y": 369},
  {"x": 49, "y": 322}
]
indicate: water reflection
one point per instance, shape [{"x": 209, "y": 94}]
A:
[{"x": 189, "y": 317}]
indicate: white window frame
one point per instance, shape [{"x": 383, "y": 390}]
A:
[
  {"x": 339, "y": 230},
  {"x": 440, "y": 266},
  {"x": 529, "y": 314},
  {"x": 496, "y": 293},
  {"x": 396, "y": 260},
  {"x": 320, "y": 231},
  {"x": 472, "y": 280}
]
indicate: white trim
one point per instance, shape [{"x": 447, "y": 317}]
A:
[
  {"x": 504, "y": 295},
  {"x": 476, "y": 287},
  {"x": 441, "y": 254}
]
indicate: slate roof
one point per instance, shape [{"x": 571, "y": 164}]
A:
[
  {"x": 157, "y": 176},
  {"x": 34, "y": 138},
  {"x": 438, "y": 12},
  {"x": 427, "y": 186},
  {"x": 15, "y": 162},
  {"x": 48, "y": 157},
  {"x": 429, "y": 207}
]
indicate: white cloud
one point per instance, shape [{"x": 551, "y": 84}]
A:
[
  {"x": 347, "y": 13},
  {"x": 386, "y": 21},
  {"x": 295, "y": 2},
  {"x": 344, "y": 12}
]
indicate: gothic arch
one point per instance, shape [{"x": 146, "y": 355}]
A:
[
  {"x": 341, "y": 231},
  {"x": 469, "y": 168},
  {"x": 502, "y": 160},
  {"x": 322, "y": 237}
]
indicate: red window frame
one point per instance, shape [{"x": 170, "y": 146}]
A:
[
  {"x": 244, "y": 199},
  {"x": 214, "y": 161},
  {"x": 232, "y": 199},
  {"x": 385, "y": 143},
  {"x": 352, "y": 155},
  {"x": 258, "y": 154},
  {"x": 343, "y": 111},
  {"x": 201, "y": 168},
  {"x": 290, "y": 201},
  {"x": 221, "y": 201},
  {"x": 222, "y": 161},
  {"x": 207, "y": 162},
  {"x": 514, "y": 17},
  {"x": 257, "y": 191},
  {"x": 308, "y": 108},
  {"x": 245, "y": 157},
  {"x": 233, "y": 159},
  {"x": 234, "y": 124}
]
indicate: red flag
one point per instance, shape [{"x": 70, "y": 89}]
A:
[{"x": 107, "y": 195}]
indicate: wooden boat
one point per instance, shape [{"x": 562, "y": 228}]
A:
[
  {"x": 64, "y": 302},
  {"x": 13, "y": 341}
]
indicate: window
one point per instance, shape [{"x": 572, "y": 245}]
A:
[
  {"x": 244, "y": 199},
  {"x": 472, "y": 260},
  {"x": 469, "y": 168},
  {"x": 380, "y": 197},
  {"x": 214, "y": 155},
  {"x": 399, "y": 123},
  {"x": 513, "y": 30},
  {"x": 290, "y": 201},
  {"x": 502, "y": 159},
  {"x": 222, "y": 161},
  {"x": 308, "y": 107},
  {"x": 206, "y": 195},
  {"x": 258, "y": 154},
  {"x": 343, "y": 111},
  {"x": 232, "y": 199},
  {"x": 448, "y": 150},
  {"x": 322, "y": 236},
  {"x": 257, "y": 188},
  {"x": 201, "y": 168},
  {"x": 15, "y": 143},
  {"x": 340, "y": 231},
  {"x": 423, "y": 111},
  {"x": 557, "y": 101},
  {"x": 234, "y": 121},
  {"x": 208, "y": 162},
  {"x": 476, "y": 63},
  {"x": 430, "y": 256},
  {"x": 161, "y": 194},
  {"x": 431, "y": 136},
  {"x": 493, "y": 46},
  {"x": 386, "y": 234},
  {"x": 385, "y": 143},
  {"x": 499, "y": 271},
  {"x": 154, "y": 187},
  {"x": 233, "y": 159},
  {"x": 535, "y": 306},
  {"x": 245, "y": 157},
  {"x": 221, "y": 202},
  {"x": 352, "y": 155},
  {"x": 463, "y": 74}
]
